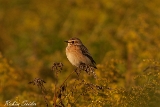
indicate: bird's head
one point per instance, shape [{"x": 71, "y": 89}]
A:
[{"x": 74, "y": 41}]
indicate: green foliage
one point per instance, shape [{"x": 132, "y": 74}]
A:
[
  {"x": 122, "y": 36},
  {"x": 79, "y": 92}
]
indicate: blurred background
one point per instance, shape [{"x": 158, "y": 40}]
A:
[{"x": 32, "y": 34}]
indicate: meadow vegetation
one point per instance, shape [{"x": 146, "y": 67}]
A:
[{"x": 122, "y": 36}]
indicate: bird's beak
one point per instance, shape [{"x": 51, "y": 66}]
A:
[{"x": 66, "y": 41}]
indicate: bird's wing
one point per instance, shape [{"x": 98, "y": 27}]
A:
[{"x": 86, "y": 53}]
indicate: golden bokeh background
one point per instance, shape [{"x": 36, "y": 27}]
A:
[{"x": 123, "y": 36}]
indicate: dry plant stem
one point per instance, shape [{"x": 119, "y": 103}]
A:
[
  {"x": 39, "y": 83},
  {"x": 66, "y": 78},
  {"x": 44, "y": 94},
  {"x": 77, "y": 98},
  {"x": 55, "y": 93},
  {"x": 55, "y": 96},
  {"x": 57, "y": 67}
]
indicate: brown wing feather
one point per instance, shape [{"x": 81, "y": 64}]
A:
[{"x": 86, "y": 53}]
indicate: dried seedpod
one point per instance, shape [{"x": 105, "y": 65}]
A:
[
  {"x": 39, "y": 83},
  {"x": 57, "y": 67},
  {"x": 88, "y": 68}
]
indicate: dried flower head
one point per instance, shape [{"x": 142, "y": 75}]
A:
[
  {"x": 88, "y": 68},
  {"x": 57, "y": 67}
]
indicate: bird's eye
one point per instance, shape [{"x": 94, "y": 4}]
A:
[{"x": 72, "y": 42}]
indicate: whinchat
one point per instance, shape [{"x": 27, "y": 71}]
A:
[{"x": 77, "y": 53}]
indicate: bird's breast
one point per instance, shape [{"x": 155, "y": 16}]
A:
[{"x": 73, "y": 56}]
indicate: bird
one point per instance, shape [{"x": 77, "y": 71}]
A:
[{"x": 78, "y": 54}]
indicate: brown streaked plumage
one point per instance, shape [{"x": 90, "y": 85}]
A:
[{"x": 77, "y": 53}]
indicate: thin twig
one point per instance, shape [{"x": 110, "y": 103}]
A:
[
  {"x": 55, "y": 95},
  {"x": 39, "y": 83},
  {"x": 66, "y": 79}
]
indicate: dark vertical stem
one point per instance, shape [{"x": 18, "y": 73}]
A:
[
  {"x": 55, "y": 96},
  {"x": 66, "y": 78},
  {"x": 55, "y": 90}
]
